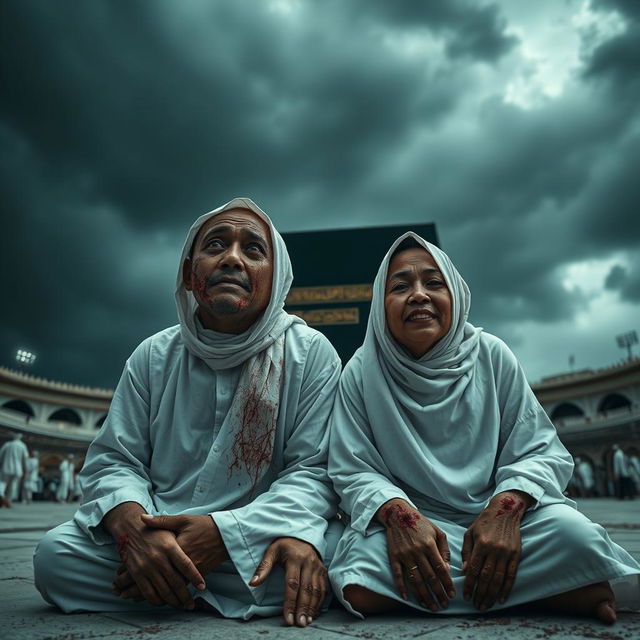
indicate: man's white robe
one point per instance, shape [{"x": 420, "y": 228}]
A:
[
  {"x": 164, "y": 445},
  {"x": 13, "y": 457},
  {"x": 192, "y": 429}
]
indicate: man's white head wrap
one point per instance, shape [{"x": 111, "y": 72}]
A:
[{"x": 260, "y": 350}]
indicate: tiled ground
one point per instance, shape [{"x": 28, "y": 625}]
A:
[{"x": 23, "y": 614}]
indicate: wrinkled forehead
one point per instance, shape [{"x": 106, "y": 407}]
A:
[{"x": 234, "y": 219}]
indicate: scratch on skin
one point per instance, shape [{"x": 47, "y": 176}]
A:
[
  {"x": 123, "y": 543},
  {"x": 406, "y": 519},
  {"x": 199, "y": 285}
]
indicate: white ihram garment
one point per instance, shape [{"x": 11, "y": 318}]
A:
[{"x": 234, "y": 426}]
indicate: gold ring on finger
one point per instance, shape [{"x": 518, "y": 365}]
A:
[{"x": 415, "y": 566}]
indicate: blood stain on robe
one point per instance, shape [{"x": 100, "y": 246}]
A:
[{"x": 252, "y": 447}]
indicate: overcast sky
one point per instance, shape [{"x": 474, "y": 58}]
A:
[{"x": 513, "y": 125}]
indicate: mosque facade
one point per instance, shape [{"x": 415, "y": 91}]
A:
[
  {"x": 591, "y": 409},
  {"x": 56, "y": 419}
]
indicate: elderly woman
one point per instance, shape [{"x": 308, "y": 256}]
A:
[{"x": 450, "y": 471}]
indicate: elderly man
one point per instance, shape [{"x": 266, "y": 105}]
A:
[
  {"x": 13, "y": 465},
  {"x": 211, "y": 466}
]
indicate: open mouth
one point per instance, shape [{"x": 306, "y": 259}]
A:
[{"x": 420, "y": 315}]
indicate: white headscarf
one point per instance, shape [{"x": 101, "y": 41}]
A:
[
  {"x": 453, "y": 355},
  {"x": 452, "y": 427},
  {"x": 260, "y": 349},
  {"x": 415, "y": 402}
]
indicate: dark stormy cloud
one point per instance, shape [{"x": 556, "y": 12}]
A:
[{"x": 513, "y": 126}]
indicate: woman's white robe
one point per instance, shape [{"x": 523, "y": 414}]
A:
[{"x": 446, "y": 432}]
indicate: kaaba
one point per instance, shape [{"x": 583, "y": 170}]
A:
[{"x": 333, "y": 278}]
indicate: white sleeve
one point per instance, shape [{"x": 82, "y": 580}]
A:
[
  {"x": 531, "y": 457},
  {"x": 116, "y": 468},
  {"x": 359, "y": 473}
]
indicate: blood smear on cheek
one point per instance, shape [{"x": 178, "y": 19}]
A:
[{"x": 199, "y": 285}]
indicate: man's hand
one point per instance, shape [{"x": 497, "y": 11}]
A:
[
  {"x": 491, "y": 549},
  {"x": 156, "y": 567},
  {"x": 305, "y": 579},
  {"x": 417, "y": 545},
  {"x": 199, "y": 538}
]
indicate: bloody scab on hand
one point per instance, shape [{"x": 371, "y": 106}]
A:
[
  {"x": 508, "y": 504},
  {"x": 397, "y": 514}
]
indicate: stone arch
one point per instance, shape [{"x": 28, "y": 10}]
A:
[
  {"x": 613, "y": 401},
  {"x": 66, "y": 415},
  {"x": 20, "y": 406},
  {"x": 566, "y": 410}
]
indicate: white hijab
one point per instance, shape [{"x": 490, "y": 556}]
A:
[
  {"x": 431, "y": 376},
  {"x": 454, "y": 426},
  {"x": 260, "y": 349},
  {"x": 415, "y": 405}
]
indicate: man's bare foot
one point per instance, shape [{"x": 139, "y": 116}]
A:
[{"x": 594, "y": 600}]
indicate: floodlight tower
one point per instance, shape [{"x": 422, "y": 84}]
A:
[
  {"x": 25, "y": 358},
  {"x": 627, "y": 340}
]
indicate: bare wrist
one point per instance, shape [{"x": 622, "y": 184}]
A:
[{"x": 123, "y": 519}]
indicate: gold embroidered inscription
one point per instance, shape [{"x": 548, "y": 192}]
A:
[
  {"x": 337, "y": 293},
  {"x": 317, "y": 317}
]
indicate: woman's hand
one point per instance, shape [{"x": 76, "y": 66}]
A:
[
  {"x": 418, "y": 547},
  {"x": 491, "y": 549}
]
